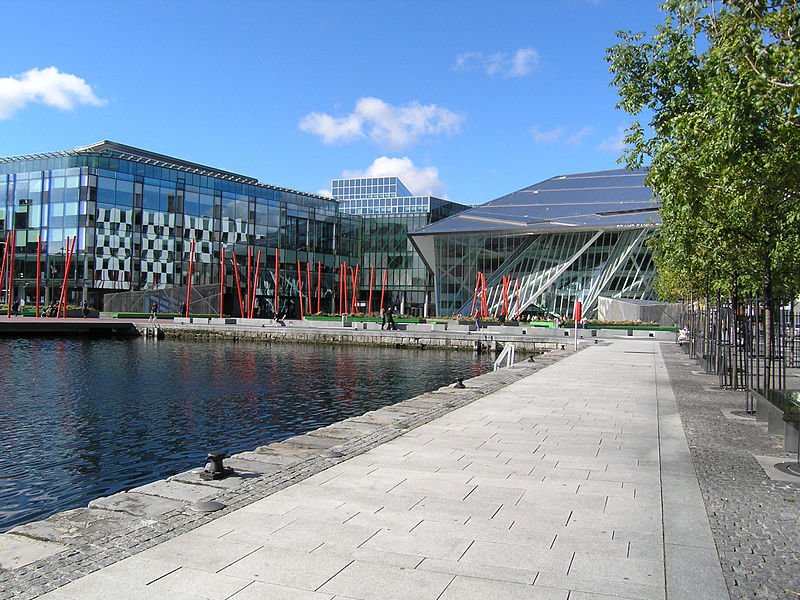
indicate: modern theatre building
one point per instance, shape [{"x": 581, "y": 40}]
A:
[
  {"x": 135, "y": 214},
  {"x": 572, "y": 237}
]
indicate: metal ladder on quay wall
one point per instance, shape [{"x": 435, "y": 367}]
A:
[{"x": 507, "y": 354}]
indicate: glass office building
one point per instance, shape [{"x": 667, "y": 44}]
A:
[
  {"x": 134, "y": 214},
  {"x": 389, "y": 212},
  {"x": 572, "y": 237}
]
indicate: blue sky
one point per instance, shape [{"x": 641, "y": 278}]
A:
[{"x": 467, "y": 100}]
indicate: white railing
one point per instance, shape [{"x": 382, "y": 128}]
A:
[{"x": 508, "y": 355}]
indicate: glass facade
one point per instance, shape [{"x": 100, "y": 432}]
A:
[
  {"x": 368, "y": 188},
  {"x": 548, "y": 271},
  {"x": 135, "y": 213},
  {"x": 388, "y": 218}
]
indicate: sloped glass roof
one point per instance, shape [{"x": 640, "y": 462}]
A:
[{"x": 597, "y": 200}]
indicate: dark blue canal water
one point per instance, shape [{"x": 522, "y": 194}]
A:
[{"x": 81, "y": 419}]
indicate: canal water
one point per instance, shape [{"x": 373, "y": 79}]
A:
[{"x": 81, "y": 419}]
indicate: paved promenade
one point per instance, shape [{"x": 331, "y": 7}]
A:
[{"x": 574, "y": 483}]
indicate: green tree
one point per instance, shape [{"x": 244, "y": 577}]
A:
[{"x": 720, "y": 85}]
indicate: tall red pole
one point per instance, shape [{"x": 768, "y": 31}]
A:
[
  {"x": 238, "y": 285},
  {"x": 383, "y": 287},
  {"x": 355, "y": 288},
  {"x": 483, "y": 296},
  {"x": 5, "y": 260},
  {"x": 248, "y": 298},
  {"x": 255, "y": 283},
  {"x": 64, "y": 284},
  {"x": 472, "y": 312},
  {"x": 371, "y": 273},
  {"x": 319, "y": 283},
  {"x": 516, "y": 293},
  {"x": 276, "y": 283},
  {"x": 65, "y": 289},
  {"x": 221, "y": 280},
  {"x": 11, "y": 271},
  {"x": 341, "y": 293},
  {"x": 353, "y": 299},
  {"x": 38, "y": 271},
  {"x": 506, "y": 284},
  {"x": 344, "y": 277},
  {"x": 308, "y": 285},
  {"x": 189, "y": 287},
  {"x": 61, "y": 294},
  {"x": 300, "y": 288}
]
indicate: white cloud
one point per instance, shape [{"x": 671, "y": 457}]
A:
[
  {"x": 547, "y": 137},
  {"x": 575, "y": 138},
  {"x": 558, "y": 135},
  {"x": 46, "y": 86},
  {"x": 520, "y": 63},
  {"x": 614, "y": 144},
  {"x": 524, "y": 61},
  {"x": 419, "y": 180},
  {"x": 389, "y": 126},
  {"x": 325, "y": 193}
]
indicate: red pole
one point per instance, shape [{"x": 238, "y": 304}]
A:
[
  {"x": 483, "y": 296},
  {"x": 341, "y": 295},
  {"x": 371, "y": 273},
  {"x": 308, "y": 285},
  {"x": 344, "y": 273},
  {"x": 475, "y": 297},
  {"x": 355, "y": 288},
  {"x": 70, "y": 252},
  {"x": 189, "y": 287},
  {"x": 300, "y": 288},
  {"x": 5, "y": 260},
  {"x": 248, "y": 298},
  {"x": 11, "y": 271},
  {"x": 383, "y": 287},
  {"x": 61, "y": 294},
  {"x": 255, "y": 283},
  {"x": 506, "y": 283},
  {"x": 516, "y": 293},
  {"x": 238, "y": 285},
  {"x": 64, "y": 284},
  {"x": 276, "y": 284},
  {"x": 38, "y": 271},
  {"x": 221, "y": 280},
  {"x": 319, "y": 283}
]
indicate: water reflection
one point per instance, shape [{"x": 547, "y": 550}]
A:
[{"x": 85, "y": 418}]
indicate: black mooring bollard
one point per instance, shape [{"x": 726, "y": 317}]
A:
[
  {"x": 214, "y": 468},
  {"x": 459, "y": 383}
]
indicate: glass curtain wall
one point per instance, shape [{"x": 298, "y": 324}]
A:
[
  {"x": 134, "y": 223},
  {"x": 548, "y": 271}
]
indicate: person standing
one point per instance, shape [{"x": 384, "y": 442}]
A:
[
  {"x": 153, "y": 312},
  {"x": 383, "y": 318}
]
